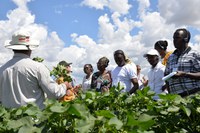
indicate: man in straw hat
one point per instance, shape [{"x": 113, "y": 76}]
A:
[{"x": 23, "y": 80}]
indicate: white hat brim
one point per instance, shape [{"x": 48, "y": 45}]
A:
[
  {"x": 145, "y": 55},
  {"x": 30, "y": 46}
]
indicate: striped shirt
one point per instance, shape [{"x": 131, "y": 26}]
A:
[{"x": 188, "y": 61}]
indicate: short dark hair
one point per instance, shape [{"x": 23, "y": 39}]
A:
[
  {"x": 119, "y": 52},
  {"x": 90, "y": 65},
  {"x": 162, "y": 44},
  {"x": 183, "y": 33}
]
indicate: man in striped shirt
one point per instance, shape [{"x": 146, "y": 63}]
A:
[{"x": 186, "y": 62}]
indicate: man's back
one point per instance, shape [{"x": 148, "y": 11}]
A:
[
  {"x": 19, "y": 82},
  {"x": 23, "y": 80}
]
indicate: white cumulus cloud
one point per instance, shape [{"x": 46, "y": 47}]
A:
[{"x": 115, "y": 31}]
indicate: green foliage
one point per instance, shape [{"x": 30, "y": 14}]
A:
[
  {"x": 111, "y": 112},
  {"x": 38, "y": 59},
  {"x": 60, "y": 71}
]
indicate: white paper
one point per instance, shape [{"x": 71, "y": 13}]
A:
[
  {"x": 98, "y": 85},
  {"x": 169, "y": 76}
]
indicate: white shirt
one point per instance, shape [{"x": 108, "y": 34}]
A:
[
  {"x": 123, "y": 75},
  {"x": 86, "y": 84},
  {"x": 140, "y": 81},
  {"x": 23, "y": 80},
  {"x": 155, "y": 76}
]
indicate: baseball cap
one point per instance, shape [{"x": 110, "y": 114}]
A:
[
  {"x": 151, "y": 52},
  {"x": 64, "y": 63}
]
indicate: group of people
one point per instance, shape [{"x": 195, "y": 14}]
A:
[
  {"x": 183, "y": 64},
  {"x": 184, "y": 61},
  {"x": 23, "y": 80},
  {"x": 124, "y": 74}
]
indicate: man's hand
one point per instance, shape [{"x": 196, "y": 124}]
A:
[
  {"x": 68, "y": 85},
  {"x": 180, "y": 74}
]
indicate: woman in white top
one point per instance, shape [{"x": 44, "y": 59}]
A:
[{"x": 88, "y": 70}]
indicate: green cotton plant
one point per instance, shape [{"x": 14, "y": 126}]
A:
[
  {"x": 60, "y": 71},
  {"x": 174, "y": 114},
  {"x": 112, "y": 112},
  {"x": 20, "y": 119},
  {"x": 38, "y": 59}
]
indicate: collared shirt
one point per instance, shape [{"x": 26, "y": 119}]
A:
[
  {"x": 155, "y": 76},
  {"x": 123, "y": 75},
  {"x": 188, "y": 61},
  {"x": 23, "y": 80}
]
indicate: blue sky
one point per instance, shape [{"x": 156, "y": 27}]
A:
[
  {"x": 82, "y": 31},
  {"x": 66, "y": 17},
  {"x": 69, "y": 17}
]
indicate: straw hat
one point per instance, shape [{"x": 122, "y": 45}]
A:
[{"x": 22, "y": 41}]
